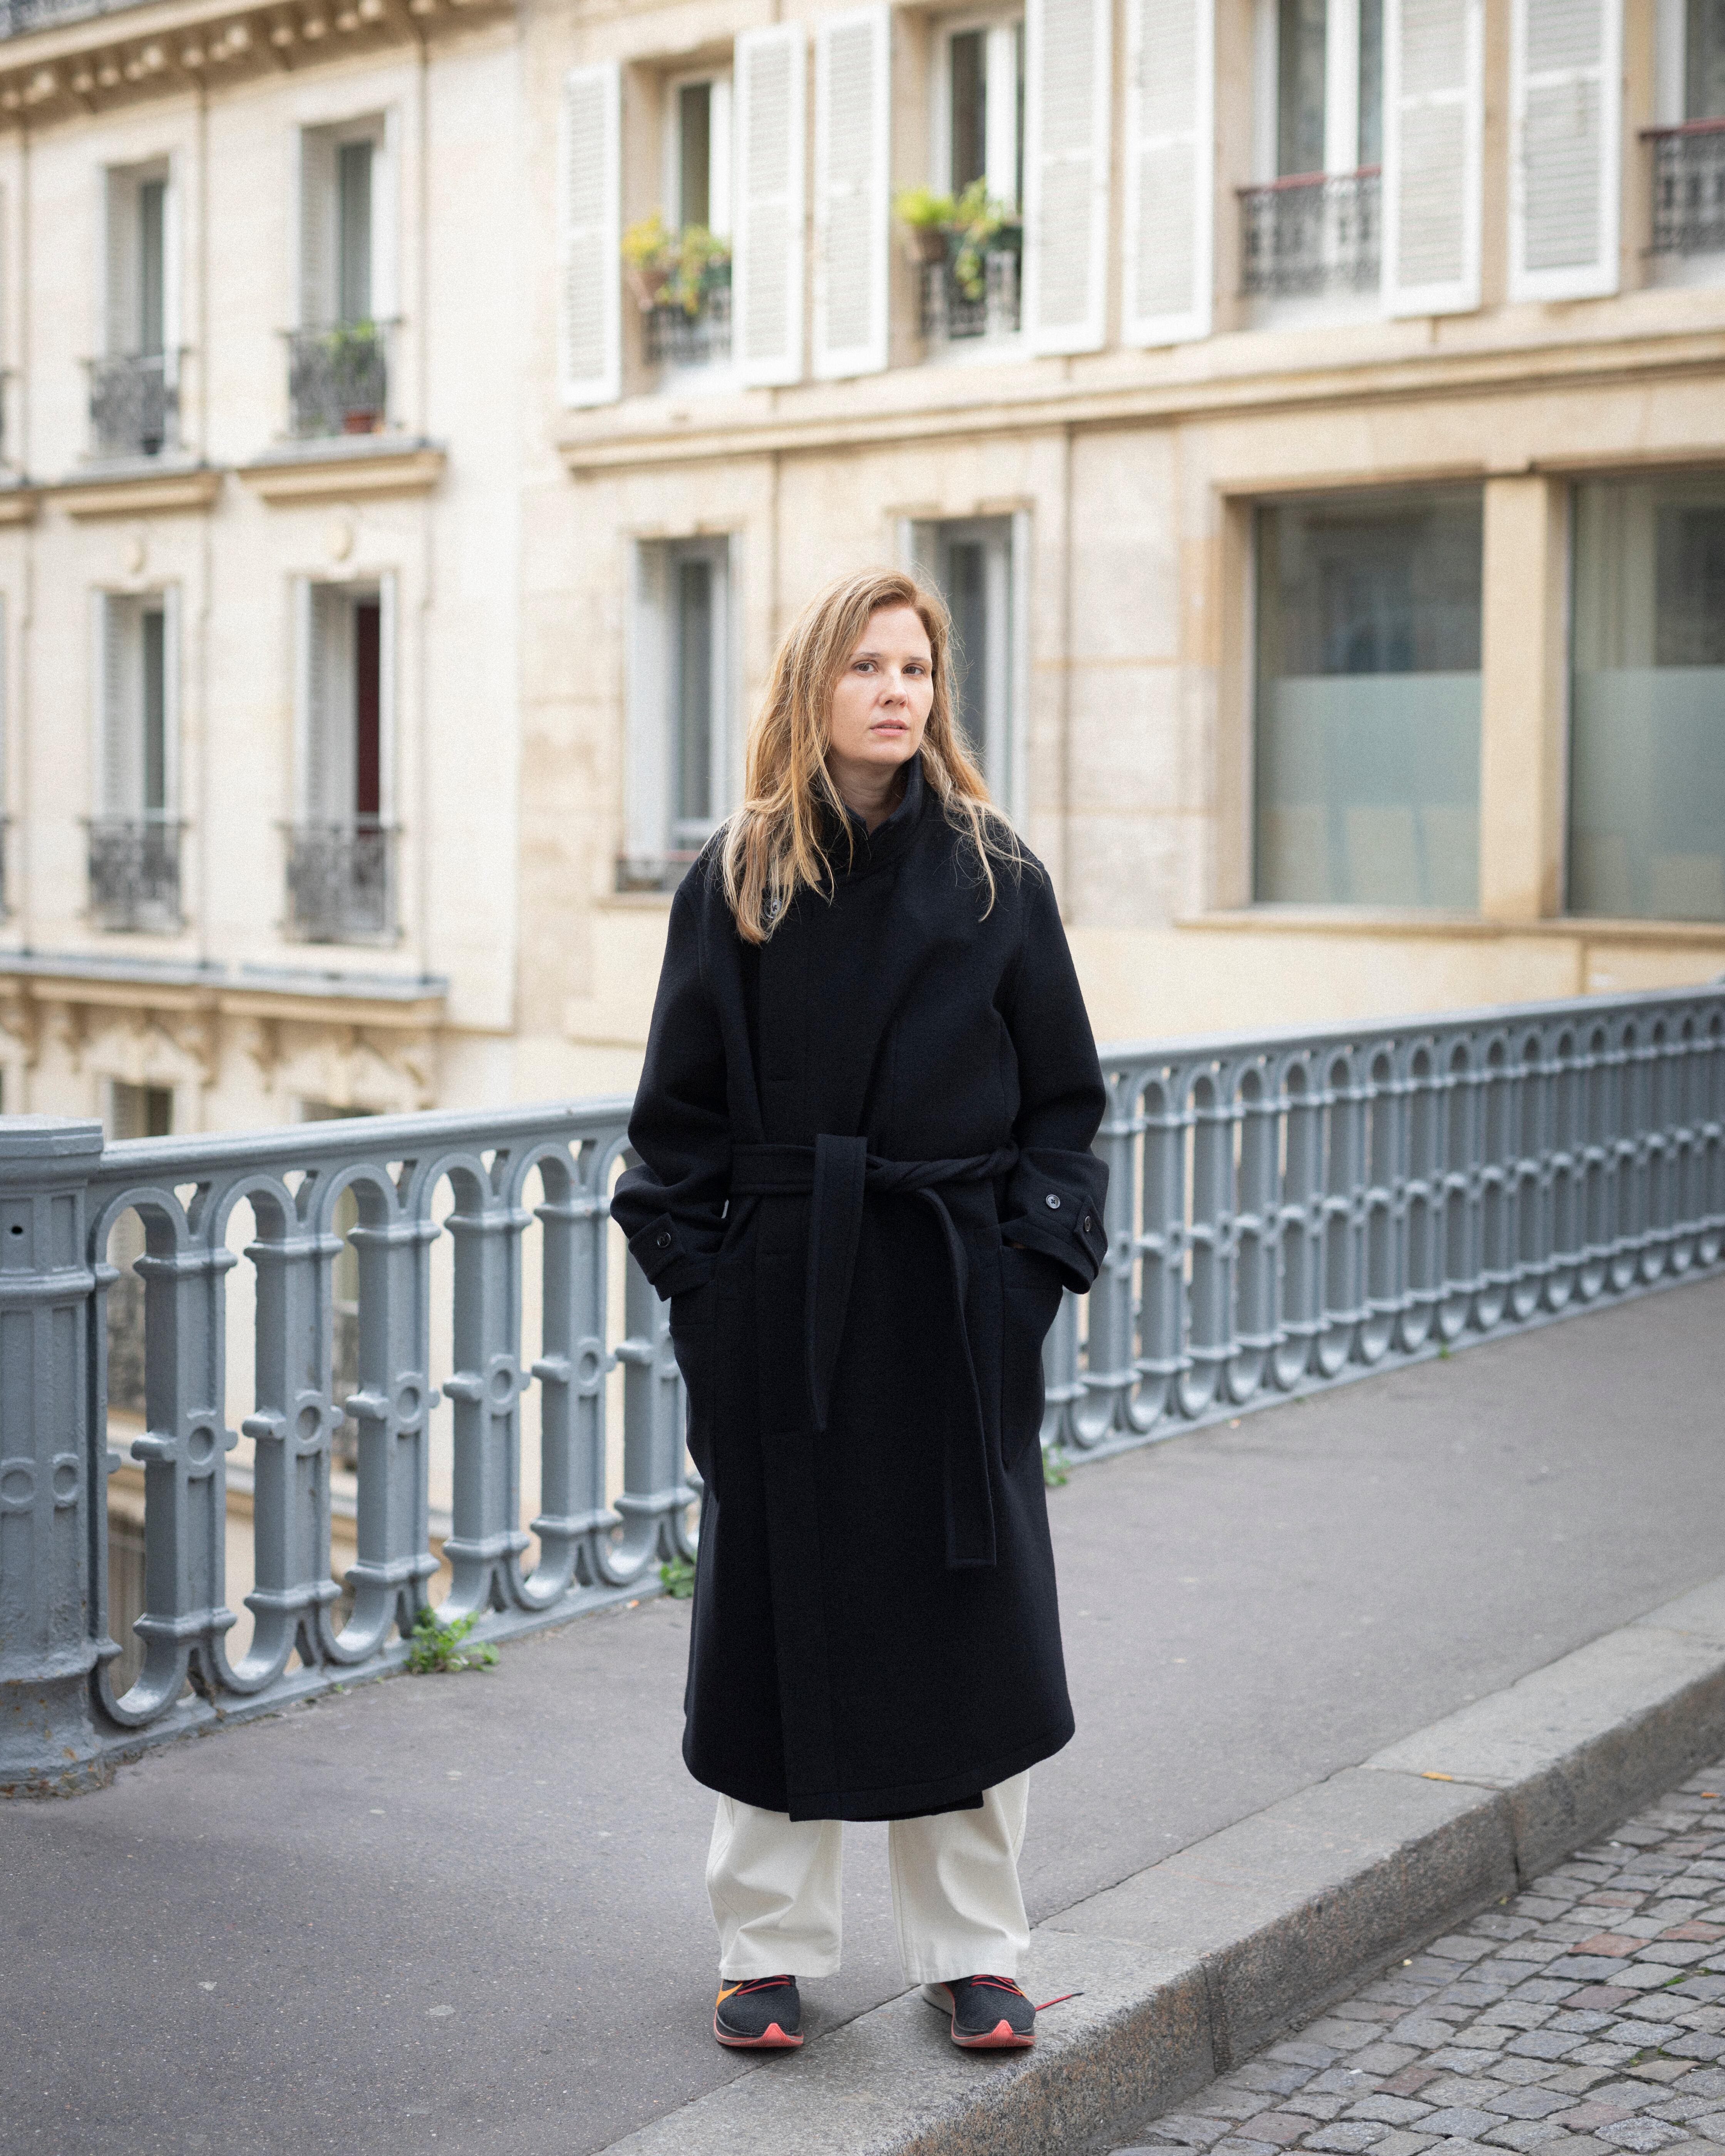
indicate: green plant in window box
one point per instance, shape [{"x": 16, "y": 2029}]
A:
[
  {"x": 353, "y": 354},
  {"x": 668, "y": 269},
  {"x": 964, "y": 231},
  {"x": 926, "y": 218}
]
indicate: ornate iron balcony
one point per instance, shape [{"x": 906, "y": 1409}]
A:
[
  {"x": 1311, "y": 233},
  {"x": 951, "y": 313},
  {"x": 135, "y": 872},
  {"x": 338, "y": 378},
  {"x": 1688, "y": 188},
  {"x": 340, "y": 880},
  {"x": 677, "y": 338},
  {"x": 134, "y": 405}
]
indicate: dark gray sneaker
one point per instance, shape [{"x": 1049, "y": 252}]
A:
[
  {"x": 759, "y": 2013},
  {"x": 990, "y": 2013}
]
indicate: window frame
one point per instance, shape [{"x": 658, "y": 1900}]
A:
[
  {"x": 720, "y": 151},
  {"x": 922, "y": 542},
  {"x": 1000, "y": 24},
  {"x": 650, "y": 849},
  {"x": 354, "y": 591},
  {"x": 320, "y": 143},
  {"x": 108, "y": 784}
]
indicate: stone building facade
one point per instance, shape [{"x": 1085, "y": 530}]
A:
[{"x": 421, "y": 418}]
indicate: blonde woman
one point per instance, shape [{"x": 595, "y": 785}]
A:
[{"x": 864, "y": 1127}]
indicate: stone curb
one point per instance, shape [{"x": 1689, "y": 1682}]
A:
[{"x": 1187, "y": 1967}]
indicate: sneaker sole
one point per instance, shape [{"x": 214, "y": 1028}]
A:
[
  {"x": 1002, "y": 2037},
  {"x": 772, "y": 2038}
]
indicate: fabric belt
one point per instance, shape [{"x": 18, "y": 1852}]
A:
[{"x": 836, "y": 1174}]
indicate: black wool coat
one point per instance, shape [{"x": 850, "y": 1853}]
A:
[{"x": 843, "y": 1135}]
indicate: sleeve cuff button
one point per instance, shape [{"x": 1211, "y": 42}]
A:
[
  {"x": 662, "y": 1241},
  {"x": 1088, "y": 1223},
  {"x": 1052, "y": 1203}
]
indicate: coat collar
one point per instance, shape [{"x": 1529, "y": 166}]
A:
[{"x": 889, "y": 839}]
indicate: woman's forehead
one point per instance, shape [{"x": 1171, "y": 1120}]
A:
[{"x": 894, "y": 629}]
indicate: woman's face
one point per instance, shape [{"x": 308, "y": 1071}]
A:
[{"x": 882, "y": 699}]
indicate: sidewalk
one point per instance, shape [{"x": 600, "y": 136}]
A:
[{"x": 243, "y": 1945}]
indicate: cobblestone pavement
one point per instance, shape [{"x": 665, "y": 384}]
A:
[{"x": 1585, "y": 2017}]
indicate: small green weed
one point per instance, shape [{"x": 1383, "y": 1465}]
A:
[
  {"x": 677, "y": 1578},
  {"x": 438, "y": 1644},
  {"x": 1056, "y": 1466}
]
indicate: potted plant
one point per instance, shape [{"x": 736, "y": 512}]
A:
[
  {"x": 353, "y": 353},
  {"x": 647, "y": 251},
  {"x": 978, "y": 222},
  {"x": 668, "y": 269},
  {"x": 926, "y": 218}
]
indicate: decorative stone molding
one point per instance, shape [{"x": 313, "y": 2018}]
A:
[
  {"x": 137, "y": 493},
  {"x": 314, "y": 473}
]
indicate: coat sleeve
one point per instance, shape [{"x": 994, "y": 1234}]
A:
[
  {"x": 671, "y": 1208},
  {"x": 1056, "y": 1194}
]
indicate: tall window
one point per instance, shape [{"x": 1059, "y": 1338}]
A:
[
  {"x": 1368, "y": 700},
  {"x": 1329, "y": 85},
  {"x": 338, "y": 379},
  {"x": 971, "y": 561},
  {"x": 339, "y": 876},
  {"x": 681, "y": 745},
  {"x": 981, "y": 109},
  {"x": 698, "y": 153},
  {"x": 133, "y": 400},
  {"x": 134, "y": 856},
  {"x": 1704, "y": 59},
  {"x": 1647, "y": 702}
]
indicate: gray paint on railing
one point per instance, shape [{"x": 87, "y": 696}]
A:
[{"x": 1286, "y": 1210}]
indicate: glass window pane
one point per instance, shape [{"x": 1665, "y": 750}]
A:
[
  {"x": 1300, "y": 86},
  {"x": 1368, "y": 700},
  {"x": 1371, "y": 82},
  {"x": 353, "y": 232},
  {"x": 969, "y": 113},
  {"x": 693, "y": 715},
  {"x": 152, "y": 203},
  {"x": 695, "y": 153},
  {"x": 1647, "y": 701},
  {"x": 1704, "y": 58}
]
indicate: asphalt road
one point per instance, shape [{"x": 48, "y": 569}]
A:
[{"x": 466, "y": 1913}]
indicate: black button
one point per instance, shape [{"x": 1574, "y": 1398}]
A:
[{"x": 662, "y": 1241}]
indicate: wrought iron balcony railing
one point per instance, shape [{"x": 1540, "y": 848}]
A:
[
  {"x": 1310, "y": 234},
  {"x": 134, "y": 405},
  {"x": 1284, "y": 1211},
  {"x": 135, "y": 872},
  {"x": 951, "y": 312},
  {"x": 341, "y": 880},
  {"x": 676, "y": 338},
  {"x": 1688, "y": 188},
  {"x": 338, "y": 379}
]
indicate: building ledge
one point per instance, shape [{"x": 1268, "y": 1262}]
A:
[
  {"x": 1399, "y": 921},
  {"x": 143, "y": 489},
  {"x": 18, "y": 500},
  {"x": 343, "y": 467},
  {"x": 244, "y": 991}
]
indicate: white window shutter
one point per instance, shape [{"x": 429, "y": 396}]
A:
[
  {"x": 120, "y": 292},
  {"x": 851, "y": 184},
  {"x": 1066, "y": 97},
  {"x": 171, "y": 335},
  {"x": 1433, "y": 112},
  {"x": 117, "y": 774},
  {"x": 386, "y": 251},
  {"x": 317, "y": 229},
  {"x": 1170, "y": 181},
  {"x": 321, "y": 762},
  {"x": 388, "y": 610},
  {"x": 1566, "y": 103},
  {"x": 171, "y": 698},
  {"x": 590, "y": 264},
  {"x": 767, "y": 263}
]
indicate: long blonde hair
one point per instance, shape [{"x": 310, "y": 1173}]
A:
[{"x": 775, "y": 846}]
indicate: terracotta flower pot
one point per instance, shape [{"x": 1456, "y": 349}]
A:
[
  {"x": 359, "y": 422},
  {"x": 926, "y": 243},
  {"x": 647, "y": 283}
]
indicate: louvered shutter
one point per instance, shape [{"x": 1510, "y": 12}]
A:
[
  {"x": 120, "y": 294},
  {"x": 851, "y": 179},
  {"x": 1066, "y": 98},
  {"x": 767, "y": 268},
  {"x": 318, "y": 229},
  {"x": 172, "y": 336},
  {"x": 171, "y": 698},
  {"x": 385, "y": 273},
  {"x": 117, "y": 715},
  {"x": 1566, "y": 105},
  {"x": 590, "y": 298},
  {"x": 1432, "y": 104},
  {"x": 319, "y": 772},
  {"x": 1170, "y": 186}
]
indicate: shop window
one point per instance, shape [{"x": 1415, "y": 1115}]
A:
[{"x": 1367, "y": 718}]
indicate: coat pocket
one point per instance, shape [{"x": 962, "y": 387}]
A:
[
  {"x": 694, "y": 1341},
  {"x": 1031, "y": 1288}
]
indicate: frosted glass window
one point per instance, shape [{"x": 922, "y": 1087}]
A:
[
  {"x": 1647, "y": 701},
  {"x": 1367, "y": 766}
]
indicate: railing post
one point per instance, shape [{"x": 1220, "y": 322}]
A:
[{"x": 53, "y": 1538}]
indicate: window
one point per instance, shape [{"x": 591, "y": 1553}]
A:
[
  {"x": 1704, "y": 59},
  {"x": 134, "y": 834},
  {"x": 1647, "y": 701},
  {"x": 1329, "y": 85},
  {"x": 1368, "y": 700},
  {"x": 971, "y": 559},
  {"x": 683, "y": 284},
  {"x": 133, "y": 386},
  {"x": 339, "y": 868},
  {"x": 338, "y": 378},
  {"x": 698, "y": 153},
  {"x": 1688, "y": 148},
  {"x": 981, "y": 110},
  {"x": 681, "y": 774}
]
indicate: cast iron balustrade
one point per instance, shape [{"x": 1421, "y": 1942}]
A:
[
  {"x": 1284, "y": 1211},
  {"x": 950, "y": 315},
  {"x": 338, "y": 378},
  {"x": 135, "y": 872},
  {"x": 1310, "y": 234},
  {"x": 340, "y": 879},
  {"x": 1688, "y": 188},
  {"x": 676, "y": 338},
  {"x": 134, "y": 405}
]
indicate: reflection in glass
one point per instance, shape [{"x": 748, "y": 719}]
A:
[
  {"x": 1368, "y": 777},
  {"x": 1647, "y": 701}
]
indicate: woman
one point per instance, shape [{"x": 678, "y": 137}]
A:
[{"x": 864, "y": 1127}]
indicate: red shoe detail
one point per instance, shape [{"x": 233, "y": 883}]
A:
[
  {"x": 1002, "y": 2037},
  {"x": 773, "y": 2038}
]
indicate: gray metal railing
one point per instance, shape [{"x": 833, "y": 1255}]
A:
[
  {"x": 135, "y": 872},
  {"x": 1312, "y": 233},
  {"x": 340, "y": 880},
  {"x": 1688, "y": 188},
  {"x": 338, "y": 378},
  {"x": 950, "y": 315},
  {"x": 134, "y": 405},
  {"x": 1284, "y": 1212},
  {"x": 676, "y": 338}
]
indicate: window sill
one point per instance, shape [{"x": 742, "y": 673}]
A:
[
  {"x": 337, "y": 467},
  {"x": 141, "y": 487},
  {"x": 1396, "y": 921}
]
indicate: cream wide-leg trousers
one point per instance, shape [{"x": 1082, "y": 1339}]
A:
[{"x": 775, "y": 1885}]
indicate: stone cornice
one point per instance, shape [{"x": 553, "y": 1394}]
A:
[
  {"x": 341, "y": 473},
  {"x": 136, "y": 493}
]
